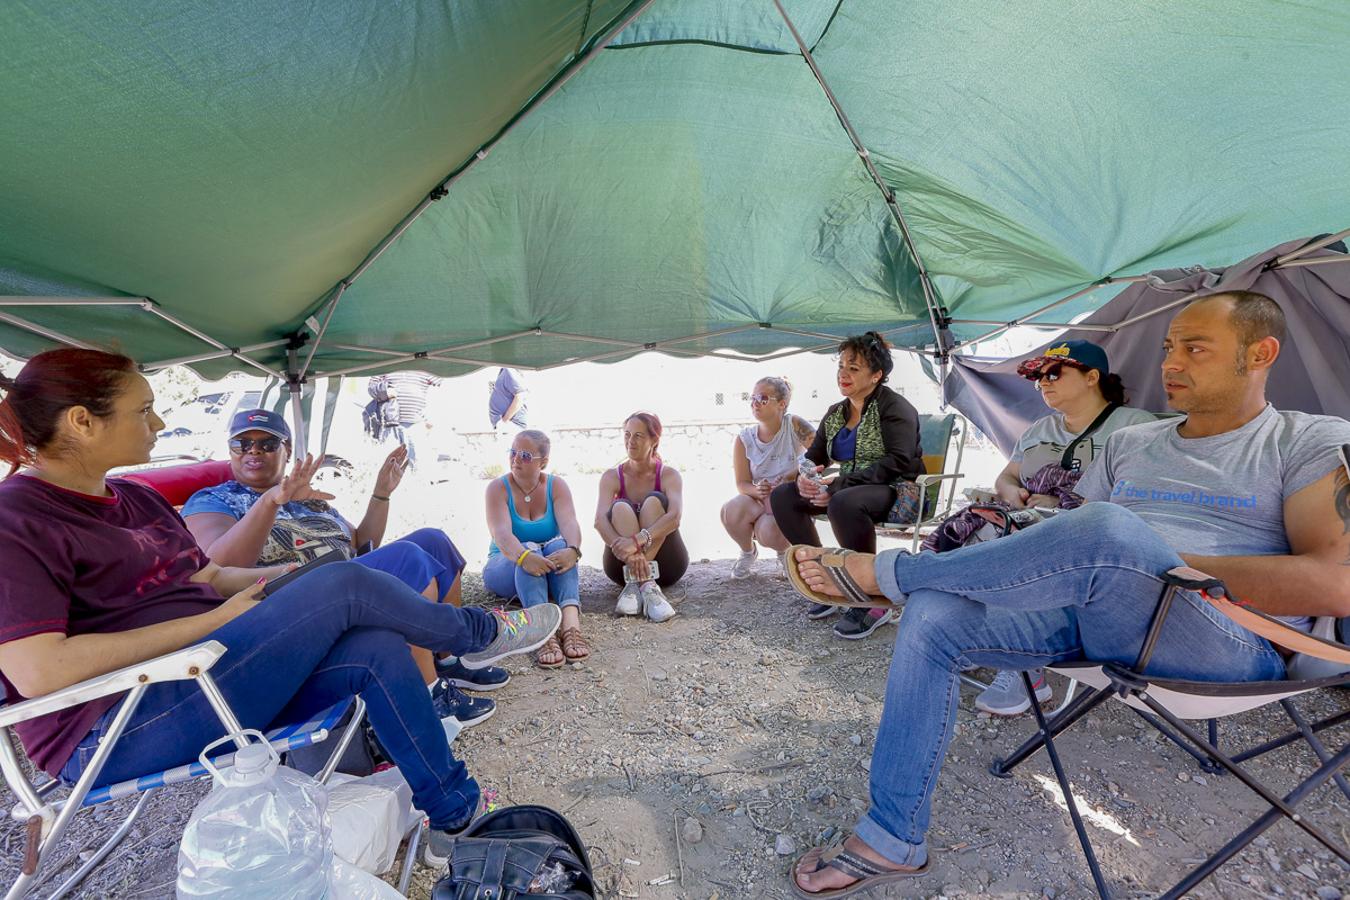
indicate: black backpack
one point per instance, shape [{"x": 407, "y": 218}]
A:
[{"x": 500, "y": 855}]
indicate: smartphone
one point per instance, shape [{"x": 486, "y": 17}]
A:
[
  {"x": 276, "y": 584},
  {"x": 629, "y": 577}
]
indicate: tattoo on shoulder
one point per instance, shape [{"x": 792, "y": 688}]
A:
[{"x": 802, "y": 428}]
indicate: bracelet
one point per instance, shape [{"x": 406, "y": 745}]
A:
[
  {"x": 382, "y": 498},
  {"x": 575, "y": 549},
  {"x": 524, "y": 553},
  {"x": 648, "y": 542}
]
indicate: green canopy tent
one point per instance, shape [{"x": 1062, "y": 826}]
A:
[{"x": 356, "y": 188}]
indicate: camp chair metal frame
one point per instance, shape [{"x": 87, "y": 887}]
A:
[
  {"x": 927, "y": 517},
  {"x": 48, "y": 819},
  {"x": 1165, "y": 703}
]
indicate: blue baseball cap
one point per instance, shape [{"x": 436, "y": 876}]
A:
[
  {"x": 1079, "y": 354},
  {"x": 260, "y": 420}
]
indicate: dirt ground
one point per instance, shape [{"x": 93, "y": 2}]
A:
[{"x": 699, "y": 757}]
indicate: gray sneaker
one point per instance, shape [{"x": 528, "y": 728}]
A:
[
  {"x": 745, "y": 563},
  {"x": 1007, "y": 695},
  {"x": 654, "y": 602},
  {"x": 519, "y": 631},
  {"x": 630, "y": 601},
  {"x": 439, "y": 843}
]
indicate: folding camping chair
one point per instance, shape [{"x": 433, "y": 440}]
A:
[
  {"x": 47, "y": 819},
  {"x": 1165, "y": 703},
  {"x": 942, "y": 437}
]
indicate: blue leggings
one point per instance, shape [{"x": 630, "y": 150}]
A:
[
  {"x": 416, "y": 558},
  {"x": 341, "y": 630}
]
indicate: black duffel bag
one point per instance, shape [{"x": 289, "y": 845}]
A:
[{"x": 503, "y": 854}]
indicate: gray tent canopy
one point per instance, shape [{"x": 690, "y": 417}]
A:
[{"x": 1309, "y": 279}]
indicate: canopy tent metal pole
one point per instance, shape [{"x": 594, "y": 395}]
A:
[
  {"x": 294, "y": 384},
  {"x": 1320, "y": 261},
  {"x": 1311, "y": 248},
  {"x": 422, "y": 354},
  {"x": 1047, "y": 325},
  {"x": 48, "y": 333},
  {"x": 941, "y": 335},
  {"x": 444, "y": 186},
  {"x": 1026, "y": 320},
  {"x": 204, "y": 357},
  {"x": 71, "y": 301},
  {"x": 153, "y": 307}
]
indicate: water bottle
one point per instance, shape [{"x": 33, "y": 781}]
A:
[
  {"x": 262, "y": 831},
  {"x": 808, "y": 470}
]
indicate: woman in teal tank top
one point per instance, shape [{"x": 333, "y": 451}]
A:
[{"x": 536, "y": 543}]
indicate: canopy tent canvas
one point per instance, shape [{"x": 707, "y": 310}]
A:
[
  {"x": 207, "y": 182},
  {"x": 1312, "y": 287}
]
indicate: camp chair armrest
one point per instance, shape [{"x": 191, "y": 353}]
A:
[
  {"x": 925, "y": 480},
  {"x": 1281, "y": 634},
  {"x": 177, "y": 666}
]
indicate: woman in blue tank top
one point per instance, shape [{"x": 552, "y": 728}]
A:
[{"x": 536, "y": 543}]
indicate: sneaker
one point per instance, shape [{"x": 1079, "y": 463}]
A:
[
  {"x": 821, "y": 610},
  {"x": 1007, "y": 695},
  {"x": 439, "y": 842},
  {"x": 481, "y": 680},
  {"x": 654, "y": 602},
  {"x": 858, "y": 623},
  {"x": 745, "y": 563},
  {"x": 519, "y": 631},
  {"x": 452, "y": 703},
  {"x": 630, "y": 601}
]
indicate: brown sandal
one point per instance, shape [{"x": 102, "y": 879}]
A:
[
  {"x": 551, "y": 650},
  {"x": 574, "y": 646}
]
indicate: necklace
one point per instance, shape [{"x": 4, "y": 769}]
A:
[{"x": 527, "y": 494}]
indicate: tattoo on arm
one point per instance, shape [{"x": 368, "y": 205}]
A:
[
  {"x": 803, "y": 430},
  {"x": 1341, "y": 494}
]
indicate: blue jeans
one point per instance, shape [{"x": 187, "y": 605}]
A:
[
  {"x": 341, "y": 630},
  {"x": 506, "y": 579},
  {"x": 1082, "y": 585}
]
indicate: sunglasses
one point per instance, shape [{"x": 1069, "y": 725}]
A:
[
  {"x": 244, "y": 445},
  {"x": 524, "y": 456},
  {"x": 761, "y": 399}
]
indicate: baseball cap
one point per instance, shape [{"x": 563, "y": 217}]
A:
[
  {"x": 260, "y": 420},
  {"x": 1079, "y": 354}
]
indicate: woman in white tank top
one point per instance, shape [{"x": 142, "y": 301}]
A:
[{"x": 764, "y": 455}]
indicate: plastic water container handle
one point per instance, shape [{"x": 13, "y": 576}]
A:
[{"x": 246, "y": 733}]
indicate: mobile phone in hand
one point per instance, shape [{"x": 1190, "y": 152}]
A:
[{"x": 281, "y": 581}]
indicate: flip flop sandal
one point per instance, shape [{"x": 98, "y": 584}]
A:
[
  {"x": 869, "y": 874},
  {"x": 550, "y": 645},
  {"x": 574, "y": 646},
  {"x": 832, "y": 561}
]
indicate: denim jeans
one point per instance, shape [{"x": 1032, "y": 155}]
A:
[
  {"x": 504, "y": 578},
  {"x": 1082, "y": 585},
  {"x": 341, "y": 630}
]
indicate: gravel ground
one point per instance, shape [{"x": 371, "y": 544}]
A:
[{"x": 699, "y": 757}]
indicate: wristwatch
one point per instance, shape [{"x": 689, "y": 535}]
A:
[{"x": 576, "y": 550}]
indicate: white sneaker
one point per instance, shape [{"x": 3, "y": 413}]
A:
[
  {"x": 745, "y": 564},
  {"x": 654, "y": 602},
  {"x": 630, "y": 600}
]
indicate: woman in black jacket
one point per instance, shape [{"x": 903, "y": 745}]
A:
[{"x": 873, "y": 436}]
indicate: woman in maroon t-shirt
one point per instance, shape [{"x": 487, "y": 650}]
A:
[{"x": 102, "y": 574}]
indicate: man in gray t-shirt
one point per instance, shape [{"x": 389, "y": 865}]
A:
[{"x": 1250, "y": 495}]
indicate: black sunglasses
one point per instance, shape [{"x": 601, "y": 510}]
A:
[{"x": 266, "y": 445}]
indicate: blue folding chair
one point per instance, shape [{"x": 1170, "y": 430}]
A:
[{"x": 47, "y": 819}]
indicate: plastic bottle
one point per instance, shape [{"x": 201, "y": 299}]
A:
[{"x": 261, "y": 832}]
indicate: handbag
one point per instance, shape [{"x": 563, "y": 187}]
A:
[{"x": 518, "y": 852}]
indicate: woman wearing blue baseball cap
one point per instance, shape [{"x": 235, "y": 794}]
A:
[
  {"x": 266, "y": 516},
  {"x": 1087, "y": 403}
]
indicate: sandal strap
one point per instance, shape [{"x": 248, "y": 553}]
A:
[
  {"x": 850, "y": 863},
  {"x": 833, "y": 563}
]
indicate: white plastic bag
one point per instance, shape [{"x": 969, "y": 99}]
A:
[
  {"x": 347, "y": 882},
  {"x": 262, "y": 831},
  {"x": 369, "y": 818}
]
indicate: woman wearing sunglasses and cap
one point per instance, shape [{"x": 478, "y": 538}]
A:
[
  {"x": 266, "y": 516},
  {"x": 536, "y": 544},
  {"x": 1087, "y": 403}
]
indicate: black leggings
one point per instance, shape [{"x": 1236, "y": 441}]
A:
[
  {"x": 672, "y": 559},
  {"x": 853, "y": 512}
]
